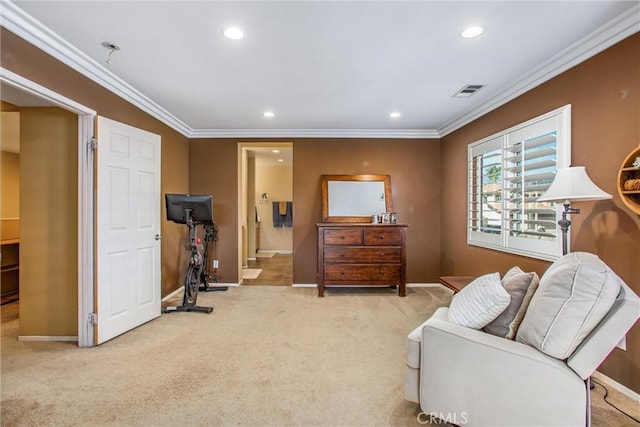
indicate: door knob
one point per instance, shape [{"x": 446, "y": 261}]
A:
[{"x": 158, "y": 237}]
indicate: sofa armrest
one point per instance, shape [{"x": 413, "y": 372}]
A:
[{"x": 470, "y": 371}]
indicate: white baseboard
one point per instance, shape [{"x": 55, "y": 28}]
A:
[
  {"x": 173, "y": 294},
  {"x": 47, "y": 338},
  {"x": 180, "y": 290},
  {"x": 599, "y": 376},
  {"x": 426, "y": 285},
  {"x": 409, "y": 285},
  {"x": 304, "y": 285},
  {"x": 230, "y": 285}
]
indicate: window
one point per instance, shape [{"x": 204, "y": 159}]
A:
[{"x": 507, "y": 173}]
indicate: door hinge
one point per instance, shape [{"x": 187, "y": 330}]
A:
[
  {"x": 92, "y": 143},
  {"x": 93, "y": 319}
]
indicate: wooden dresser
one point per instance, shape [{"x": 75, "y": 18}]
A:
[{"x": 354, "y": 254}]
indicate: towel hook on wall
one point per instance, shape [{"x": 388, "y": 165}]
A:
[{"x": 264, "y": 198}]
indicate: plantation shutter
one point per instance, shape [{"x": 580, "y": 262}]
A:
[
  {"x": 531, "y": 163},
  {"x": 507, "y": 173},
  {"x": 485, "y": 191}
]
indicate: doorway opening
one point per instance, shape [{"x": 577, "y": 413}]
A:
[
  {"x": 265, "y": 208},
  {"x": 21, "y": 92}
]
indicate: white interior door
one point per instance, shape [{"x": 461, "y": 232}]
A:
[{"x": 128, "y": 221}]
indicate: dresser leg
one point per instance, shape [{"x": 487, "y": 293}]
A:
[
  {"x": 403, "y": 290},
  {"x": 320, "y": 290}
]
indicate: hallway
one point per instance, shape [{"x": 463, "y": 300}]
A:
[{"x": 277, "y": 270}]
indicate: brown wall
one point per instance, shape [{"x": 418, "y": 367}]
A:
[
  {"x": 414, "y": 167},
  {"x": 10, "y": 178},
  {"x": 605, "y": 126},
  {"x": 9, "y": 218},
  {"x": 603, "y": 92},
  {"x": 213, "y": 169},
  {"x": 26, "y": 60},
  {"x": 49, "y": 222}
]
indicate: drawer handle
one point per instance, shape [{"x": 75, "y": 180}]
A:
[
  {"x": 382, "y": 237},
  {"x": 341, "y": 255},
  {"x": 381, "y": 272},
  {"x": 342, "y": 237},
  {"x": 382, "y": 254}
]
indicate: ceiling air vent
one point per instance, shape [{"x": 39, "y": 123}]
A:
[{"x": 467, "y": 91}]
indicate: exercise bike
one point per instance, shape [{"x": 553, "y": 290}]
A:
[
  {"x": 210, "y": 236},
  {"x": 193, "y": 211}
]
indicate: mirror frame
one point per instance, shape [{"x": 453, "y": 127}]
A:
[{"x": 359, "y": 178}]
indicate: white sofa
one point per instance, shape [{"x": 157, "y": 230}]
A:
[{"x": 471, "y": 377}]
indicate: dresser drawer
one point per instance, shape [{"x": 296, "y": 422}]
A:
[
  {"x": 362, "y": 254},
  {"x": 355, "y": 255},
  {"x": 371, "y": 274},
  {"x": 343, "y": 236},
  {"x": 383, "y": 236}
]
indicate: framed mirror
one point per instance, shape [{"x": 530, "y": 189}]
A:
[{"x": 355, "y": 198}]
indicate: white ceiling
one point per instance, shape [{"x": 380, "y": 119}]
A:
[{"x": 332, "y": 68}]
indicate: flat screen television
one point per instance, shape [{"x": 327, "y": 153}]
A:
[{"x": 201, "y": 207}]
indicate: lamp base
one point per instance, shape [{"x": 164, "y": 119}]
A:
[{"x": 565, "y": 223}]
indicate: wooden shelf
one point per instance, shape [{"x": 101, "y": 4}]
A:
[
  {"x": 631, "y": 198},
  {"x": 12, "y": 267}
]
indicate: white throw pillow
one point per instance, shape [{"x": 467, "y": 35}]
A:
[
  {"x": 574, "y": 295},
  {"x": 520, "y": 286},
  {"x": 479, "y": 302}
]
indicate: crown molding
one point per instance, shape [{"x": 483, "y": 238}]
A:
[
  {"x": 616, "y": 30},
  {"x": 19, "y": 82},
  {"x": 314, "y": 133},
  {"x": 33, "y": 31}
]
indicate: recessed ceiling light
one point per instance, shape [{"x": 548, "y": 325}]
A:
[
  {"x": 471, "y": 32},
  {"x": 275, "y": 151},
  {"x": 233, "y": 33},
  {"x": 268, "y": 114},
  {"x": 394, "y": 115},
  {"x": 281, "y": 160}
]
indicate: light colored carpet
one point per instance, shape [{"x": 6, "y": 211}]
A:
[
  {"x": 266, "y": 356},
  {"x": 251, "y": 273}
]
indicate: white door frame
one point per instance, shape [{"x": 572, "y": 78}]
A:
[
  {"x": 243, "y": 147},
  {"x": 86, "y": 118}
]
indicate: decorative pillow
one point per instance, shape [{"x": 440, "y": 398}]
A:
[
  {"x": 575, "y": 293},
  {"x": 520, "y": 286},
  {"x": 479, "y": 302}
]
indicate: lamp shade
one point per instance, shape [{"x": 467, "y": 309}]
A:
[{"x": 573, "y": 183}]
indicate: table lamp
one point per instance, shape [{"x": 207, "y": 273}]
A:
[{"x": 571, "y": 184}]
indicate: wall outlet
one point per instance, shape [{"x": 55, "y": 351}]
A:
[{"x": 215, "y": 263}]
